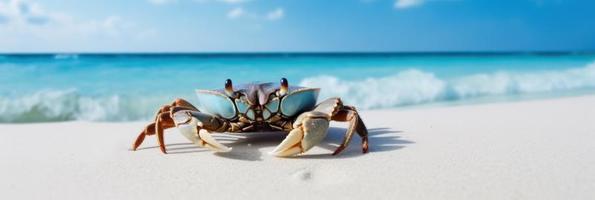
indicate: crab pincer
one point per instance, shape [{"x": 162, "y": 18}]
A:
[{"x": 191, "y": 128}]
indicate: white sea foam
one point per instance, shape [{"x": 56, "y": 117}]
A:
[
  {"x": 408, "y": 87},
  {"x": 415, "y": 87},
  {"x": 70, "y": 105},
  {"x": 404, "y": 88}
]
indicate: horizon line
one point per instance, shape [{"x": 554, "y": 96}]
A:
[{"x": 297, "y": 52}]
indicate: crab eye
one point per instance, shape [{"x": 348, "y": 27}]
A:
[
  {"x": 284, "y": 87},
  {"x": 228, "y": 87}
]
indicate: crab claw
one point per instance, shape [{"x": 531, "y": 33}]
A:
[
  {"x": 290, "y": 145},
  {"x": 210, "y": 143},
  {"x": 309, "y": 130},
  {"x": 190, "y": 128}
]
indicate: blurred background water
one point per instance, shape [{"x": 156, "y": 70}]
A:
[{"x": 129, "y": 87}]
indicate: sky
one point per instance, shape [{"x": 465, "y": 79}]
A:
[{"x": 296, "y": 25}]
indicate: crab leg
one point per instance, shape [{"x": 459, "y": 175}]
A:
[
  {"x": 164, "y": 122},
  {"x": 349, "y": 114},
  {"x": 149, "y": 130},
  {"x": 163, "y": 118}
]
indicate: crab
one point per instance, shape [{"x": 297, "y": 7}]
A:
[{"x": 257, "y": 107}]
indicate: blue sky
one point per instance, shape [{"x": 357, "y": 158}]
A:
[{"x": 295, "y": 25}]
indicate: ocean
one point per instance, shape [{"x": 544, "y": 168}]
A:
[{"x": 131, "y": 87}]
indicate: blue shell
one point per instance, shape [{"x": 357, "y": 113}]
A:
[
  {"x": 266, "y": 114},
  {"x": 298, "y": 101},
  {"x": 250, "y": 114},
  {"x": 273, "y": 105},
  {"x": 242, "y": 105},
  {"x": 216, "y": 103}
]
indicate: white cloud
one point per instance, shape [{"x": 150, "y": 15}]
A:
[
  {"x": 276, "y": 14},
  {"x": 235, "y": 13},
  {"x": 21, "y": 12},
  {"x": 23, "y": 23},
  {"x": 233, "y": 1},
  {"x": 28, "y": 16},
  {"x": 240, "y": 12},
  {"x": 222, "y": 1},
  {"x": 161, "y": 2},
  {"x": 404, "y": 4}
]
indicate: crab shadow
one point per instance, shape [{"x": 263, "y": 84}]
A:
[
  {"x": 178, "y": 148},
  {"x": 380, "y": 140},
  {"x": 247, "y": 146}
]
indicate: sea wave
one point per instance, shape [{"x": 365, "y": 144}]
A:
[
  {"x": 416, "y": 87},
  {"x": 67, "y": 105},
  {"x": 408, "y": 87}
]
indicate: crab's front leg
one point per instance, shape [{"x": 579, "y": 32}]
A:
[
  {"x": 197, "y": 126},
  {"x": 162, "y": 121},
  {"x": 193, "y": 124},
  {"x": 309, "y": 129}
]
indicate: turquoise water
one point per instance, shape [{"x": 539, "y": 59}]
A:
[{"x": 125, "y": 87}]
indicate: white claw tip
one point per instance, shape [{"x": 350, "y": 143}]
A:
[
  {"x": 224, "y": 150},
  {"x": 294, "y": 151},
  {"x": 273, "y": 153},
  {"x": 211, "y": 143}
]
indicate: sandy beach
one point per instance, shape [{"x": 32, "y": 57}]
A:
[{"x": 539, "y": 149}]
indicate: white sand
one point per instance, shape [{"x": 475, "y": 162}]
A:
[{"x": 525, "y": 150}]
